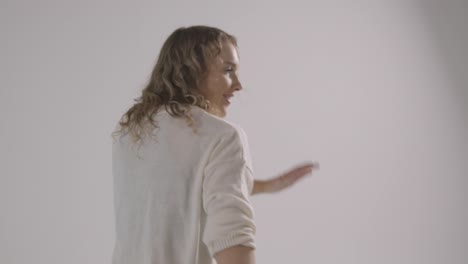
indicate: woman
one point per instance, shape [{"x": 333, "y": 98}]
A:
[{"x": 182, "y": 174}]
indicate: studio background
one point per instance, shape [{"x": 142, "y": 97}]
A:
[{"x": 375, "y": 91}]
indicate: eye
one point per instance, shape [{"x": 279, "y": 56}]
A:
[{"x": 230, "y": 69}]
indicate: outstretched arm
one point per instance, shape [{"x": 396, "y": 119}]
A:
[{"x": 284, "y": 180}]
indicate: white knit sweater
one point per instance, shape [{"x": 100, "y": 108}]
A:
[{"x": 182, "y": 196}]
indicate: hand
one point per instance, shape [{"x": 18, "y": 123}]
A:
[{"x": 284, "y": 180}]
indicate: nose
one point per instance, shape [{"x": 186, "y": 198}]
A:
[
  {"x": 237, "y": 84},
  {"x": 238, "y": 87}
]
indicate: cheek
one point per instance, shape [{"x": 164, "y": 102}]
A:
[
  {"x": 215, "y": 87},
  {"x": 225, "y": 80},
  {"x": 221, "y": 82}
]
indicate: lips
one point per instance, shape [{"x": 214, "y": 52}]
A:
[{"x": 227, "y": 97}]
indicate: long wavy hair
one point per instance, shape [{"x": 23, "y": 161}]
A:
[{"x": 182, "y": 65}]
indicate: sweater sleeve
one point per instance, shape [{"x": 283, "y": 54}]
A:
[{"x": 229, "y": 213}]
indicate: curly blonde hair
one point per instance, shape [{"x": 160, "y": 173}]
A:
[{"x": 174, "y": 83}]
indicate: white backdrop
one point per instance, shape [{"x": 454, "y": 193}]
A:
[{"x": 375, "y": 91}]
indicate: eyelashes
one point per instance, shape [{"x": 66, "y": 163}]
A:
[{"x": 230, "y": 70}]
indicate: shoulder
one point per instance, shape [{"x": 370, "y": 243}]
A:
[
  {"x": 218, "y": 127},
  {"x": 225, "y": 135}
]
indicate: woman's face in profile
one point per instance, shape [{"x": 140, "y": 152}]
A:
[{"x": 222, "y": 79}]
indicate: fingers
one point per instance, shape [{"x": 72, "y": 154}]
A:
[
  {"x": 299, "y": 172},
  {"x": 290, "y": 177},
  {"x": 309, "y": 166},
  {"x": 305, "y": 169}
]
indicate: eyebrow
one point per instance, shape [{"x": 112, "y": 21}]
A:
[{"x": 231, "y": 63}]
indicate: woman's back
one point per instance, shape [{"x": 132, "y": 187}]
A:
[{"x": 182, "y": 196}]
